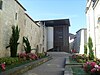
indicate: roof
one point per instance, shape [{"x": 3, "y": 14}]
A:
[
  {"x": 72, "y": 36},
  {"x": 81, "y": 29},
  {"x": 56, "y": 22},
  {"x": 31, "y": 19},
  {"x": 20, "y": 5}
]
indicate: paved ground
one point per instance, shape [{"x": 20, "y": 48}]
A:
[{"x": 52, "y": 67}]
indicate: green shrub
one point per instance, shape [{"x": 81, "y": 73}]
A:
[
  {"x": 85, "y": 49},
  {"x": 13, "y": 44},
  {"x": 27, "y": 46},
  {"x": 90, "y": 46},
  {"x": 41, "y": 55},
  {"x": 80, "y": 58},
  {"x": 9, "y": 60}
]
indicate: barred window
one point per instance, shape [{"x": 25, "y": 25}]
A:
[{"x": 1, "y": 4}]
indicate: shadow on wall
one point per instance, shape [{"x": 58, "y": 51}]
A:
[{"x": 53, "y": 50}]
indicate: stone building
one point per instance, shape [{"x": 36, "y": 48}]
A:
[
  {"x": 34, "y": 32},
  {"x": 13, "y": 13},
  {"x": 93, "y": 24}
]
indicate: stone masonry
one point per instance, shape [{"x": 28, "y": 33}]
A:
[{"x": 13, "y": 13}]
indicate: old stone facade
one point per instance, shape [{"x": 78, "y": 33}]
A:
[{"x": 13, "y": 13}]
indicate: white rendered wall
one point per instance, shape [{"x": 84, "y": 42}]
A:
[
  {"x": 97, "y": 29},
  {"x": 82, "y": 42},
  {"x": 90, "y": 23},
  {"x": 49, "y": 38}
]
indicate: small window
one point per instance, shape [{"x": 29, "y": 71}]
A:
[
  {"x": 0, "y": 4},
  {"x": 94, "y": 0},
  {"x": 25, "y": 22},
  {"x": 99, "y": 20},
  {"x": 60, "y": 37},
  {"x": 16, "y": 16},
  {"x": 31, "y": 26}
]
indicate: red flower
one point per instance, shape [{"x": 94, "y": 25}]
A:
[
  {"x": 29, "y": 56},
  {"x": 92, "y": 67},
  {"x": 73, "y": 51},
  {"x": 3, "y": 66},
  {"x": 93, "y": 64},
  {"x": 22, "y": 55},
  {"x": 88, "y": 66},
  {"x": 93, "y": 70},
  {"x": 32, "y": 56}
]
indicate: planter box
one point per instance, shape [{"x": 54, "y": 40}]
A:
[
  {"x": 21, "y": 69},
  {"x": 70, "y": 71}
]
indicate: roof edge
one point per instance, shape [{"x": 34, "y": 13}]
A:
[
  {"x": 31, "y": 19},
  {"x": 20, "y": 4}
]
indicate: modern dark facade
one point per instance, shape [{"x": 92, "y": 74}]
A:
[{"x": 60, "y": 34}]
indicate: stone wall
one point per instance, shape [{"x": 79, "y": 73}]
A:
[
  {"x": 13, "y": 13},
  {"x": 7, "y": 20},
  {"x": 32, "y": 31}
]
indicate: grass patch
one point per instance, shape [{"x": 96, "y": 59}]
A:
[{"x": 78, "y": 71}]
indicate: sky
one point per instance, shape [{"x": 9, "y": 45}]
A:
[{"x": 74, "y": 10}]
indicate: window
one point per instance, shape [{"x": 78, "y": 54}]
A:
[
  {"x": 99, "y": 20},
  {"x": 94, "y": 0},
  {"x": 59, "y": 32},
  {"x": 24, "y": 21},
  {"x": 31, "y": 26},
  {"x": 16, "y": 16},
  {"x": 60, "y": 37},
  {"x": 0, "y": 4}
]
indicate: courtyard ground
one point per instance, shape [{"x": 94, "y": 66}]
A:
[{"x": 52, "y": 67}]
